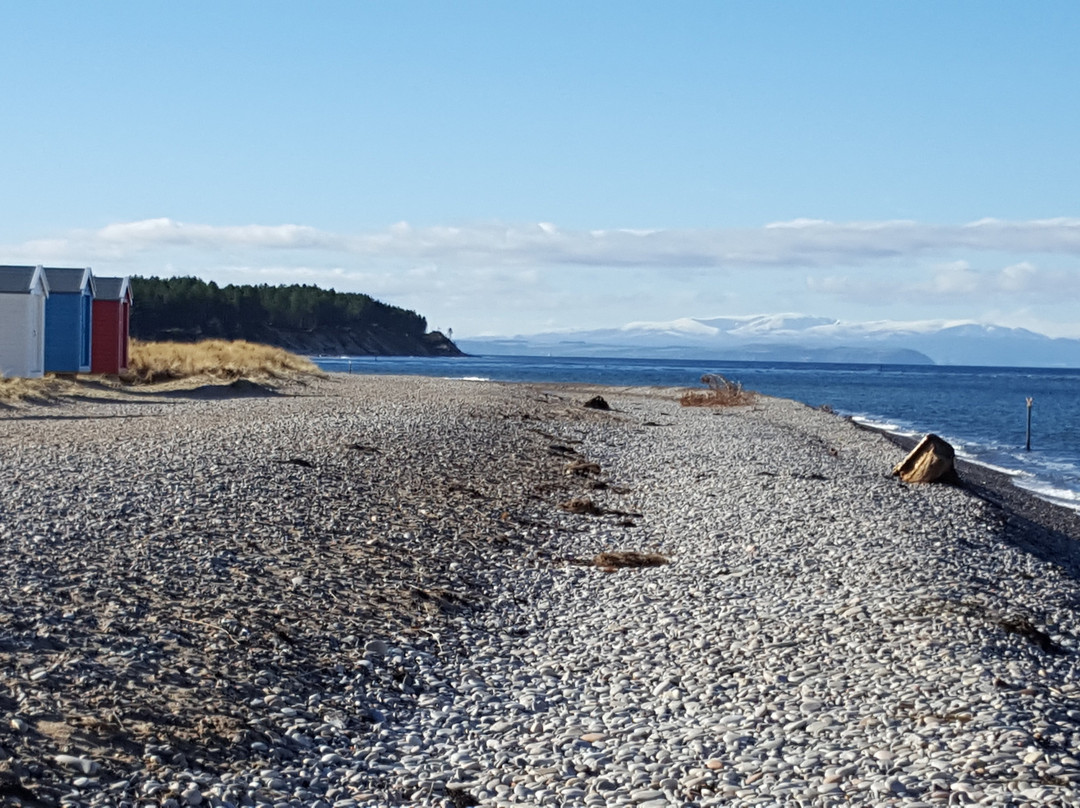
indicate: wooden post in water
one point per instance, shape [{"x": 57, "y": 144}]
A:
[{"x": 1027, "y": 445}]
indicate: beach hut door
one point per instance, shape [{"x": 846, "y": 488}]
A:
[
  {"x": 87, "y": 312},
  {"x": 37, "y": 336}
]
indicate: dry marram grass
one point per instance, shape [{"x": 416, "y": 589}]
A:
[
  {"x": 156, "y": 362},
  {"x": 162, "y": 361},
  {"x": 720, "y": 393},
  {"x": 48, "y": 388}
]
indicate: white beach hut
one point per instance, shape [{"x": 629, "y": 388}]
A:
[{"x": 23, "y": 291}]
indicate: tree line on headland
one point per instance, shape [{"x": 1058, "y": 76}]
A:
[{"x": 301, "y": 318}]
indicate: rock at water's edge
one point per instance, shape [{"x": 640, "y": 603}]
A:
[{"x": 931, "y": 461}]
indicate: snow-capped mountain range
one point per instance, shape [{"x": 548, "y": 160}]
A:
[{"x": 799, "y": 338}]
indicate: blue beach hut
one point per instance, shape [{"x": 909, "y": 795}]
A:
[{"x": 68, "y": 318}]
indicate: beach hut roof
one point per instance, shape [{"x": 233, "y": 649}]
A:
[
  {"x": 69, "y": 280},
  {"x": 22, "y": 280},
  {"x": 113, "y": 288}
]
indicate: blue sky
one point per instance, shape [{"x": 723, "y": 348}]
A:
[{"x": 518, "y": 167}]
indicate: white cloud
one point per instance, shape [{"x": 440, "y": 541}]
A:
[
  {"x": 802, "y": 242},
  {"x": 1017, "y": 277},
  {"x": 951, "y": 282},
  {"x": 956, "y": 278},
  {"x": 154, "y": 232}
]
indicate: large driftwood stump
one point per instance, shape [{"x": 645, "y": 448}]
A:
[{"x": 931, "y": 461}]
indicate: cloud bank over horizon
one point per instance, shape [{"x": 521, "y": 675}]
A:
[
  {"x": 800, "y": 242},
  {"x": 540, "y": 276}
]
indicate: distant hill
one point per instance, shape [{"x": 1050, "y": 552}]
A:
[
  {"x": 800, "y": 338},
  {"x": 304, "y": 319}
]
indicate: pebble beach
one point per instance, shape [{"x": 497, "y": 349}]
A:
[{"x": 381, "y": 591}]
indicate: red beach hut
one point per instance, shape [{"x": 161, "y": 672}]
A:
[{"x": 112, "y": 313}]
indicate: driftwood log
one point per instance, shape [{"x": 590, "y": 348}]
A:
[{"x": 931, "y": 461}]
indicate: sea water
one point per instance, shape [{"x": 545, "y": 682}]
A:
[{"x": 981, "y": 411}]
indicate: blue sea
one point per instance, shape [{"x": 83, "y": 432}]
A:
[{"x": 981, "y": 411}]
